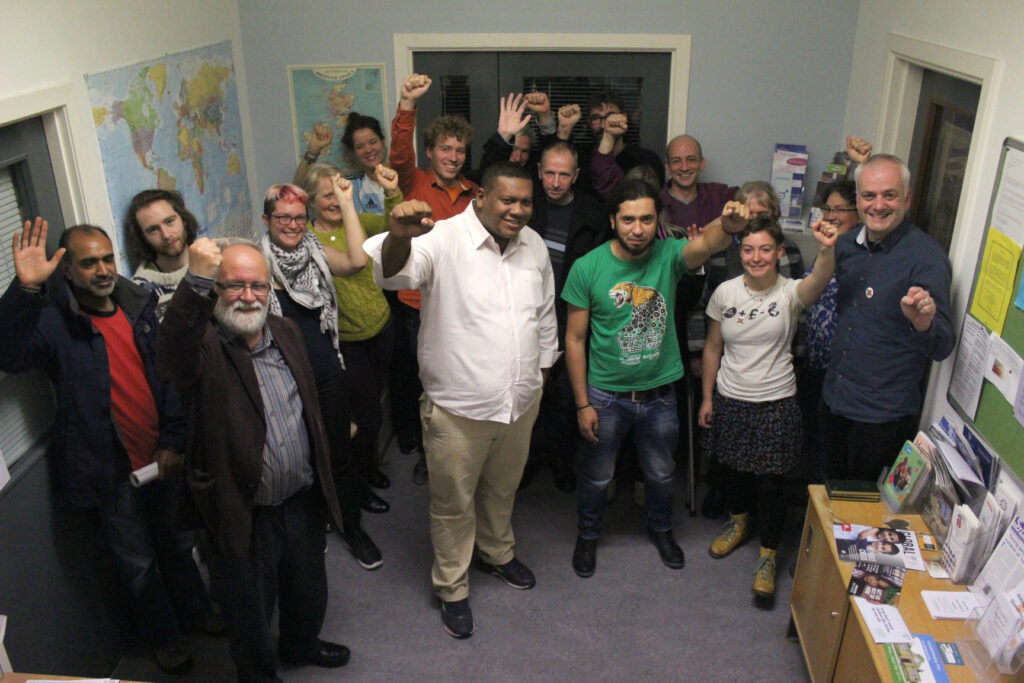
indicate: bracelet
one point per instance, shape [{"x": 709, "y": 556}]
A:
[
  {"x": 587, "y": 405},
  {"x": 310, "y": 157}
]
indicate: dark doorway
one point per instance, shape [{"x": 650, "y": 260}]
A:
[{"x": 938, "y": 153}]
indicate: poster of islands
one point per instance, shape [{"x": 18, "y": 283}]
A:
[
  {"x": 327, "y": 94},
  {"x": 174, "y": 123}
]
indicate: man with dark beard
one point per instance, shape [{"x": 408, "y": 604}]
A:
[
  {"x": 257, "y": 460},
  {"x": 624, "y": 292}
]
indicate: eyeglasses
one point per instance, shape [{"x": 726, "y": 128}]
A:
[
  {"x": 259, "y": 289},
  {"x": 283, "y": 219},
  {"x": 829, "y": 211}
]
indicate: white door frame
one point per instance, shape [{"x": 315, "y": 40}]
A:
[
  {"x": 55, "y": 105},
  {"x": 677, "y": 46},
  {"x": 908, "y": 59}
]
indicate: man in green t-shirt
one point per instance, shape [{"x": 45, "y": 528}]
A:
[{"x": 624, "y": 291}]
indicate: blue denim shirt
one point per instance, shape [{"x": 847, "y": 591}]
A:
[{"x": 878, "y": 358}]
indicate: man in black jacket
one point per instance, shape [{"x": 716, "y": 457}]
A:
[
  {"x": 94, "y": 334},
  {"x": 571, "y": 224}
]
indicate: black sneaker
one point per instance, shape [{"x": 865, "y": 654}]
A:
[
  {"x": 513, "y": 572},
  {"x": 419, "y": 472},
  {"x": 371, "y": 502},
  {"x": 377, "y": 479},
  {"x": 363, "y": 548},
  {"x": 457, "y": 618},
  {"x": 584, "y": 557},
  {"x": 407, "y": 443},
  {"x": 174, "y": 659},
  {"x": 670, "y": 552}
]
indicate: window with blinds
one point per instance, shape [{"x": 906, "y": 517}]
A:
[
  {"x": 455, "y": 100},
  {"x": 26, "y": 399},
  {"x": 10, "y": 222},
  {"x": 562, "y": 90}
]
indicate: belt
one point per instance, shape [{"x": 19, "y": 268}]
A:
[{"x": 644, "y": 396}]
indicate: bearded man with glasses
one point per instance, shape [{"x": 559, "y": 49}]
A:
[{"x": 257, "y": 461}]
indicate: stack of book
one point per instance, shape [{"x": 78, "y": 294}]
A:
[{"x": 852, "y": 489}]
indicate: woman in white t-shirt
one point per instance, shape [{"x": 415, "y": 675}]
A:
[{"x": 749, "y": 388}]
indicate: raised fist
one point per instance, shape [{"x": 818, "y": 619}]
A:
[
  {"x": 414, "y": 86},
  {"x": 204, "y": 257},
  {"x": 410, "y": 219},
  {"x": 387, "y": 177},
  {"x": 858, "y": 149},
  {"x": 825, "y": 233},
  {"x": 537, "y": 102},
  {"x": 735, "y": 216},
  {"x": 616, "y": 124},
  {"x": 569, "y": 115}
]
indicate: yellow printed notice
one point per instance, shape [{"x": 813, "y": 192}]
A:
[{"x": 995, "y": 281}]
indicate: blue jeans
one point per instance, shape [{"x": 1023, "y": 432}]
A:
[{"x": 655, "y": 426}]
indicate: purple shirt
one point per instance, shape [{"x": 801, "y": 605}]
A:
[{"x": 705, "y": 207}]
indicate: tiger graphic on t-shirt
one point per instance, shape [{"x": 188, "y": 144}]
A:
[{"x": 646, "y": 329}]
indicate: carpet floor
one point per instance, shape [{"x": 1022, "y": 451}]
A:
[{"x": 634, "y": 620}]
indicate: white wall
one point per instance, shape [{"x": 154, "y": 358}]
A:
[
  {"x": 48, "y": 43},
  {"x": 760, "y": 72},
  {"x": 990, "y": 28}
]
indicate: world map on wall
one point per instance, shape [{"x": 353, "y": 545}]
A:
[
  {"x": 174, "y": 123},
  {"x": 327, "y": 94}
]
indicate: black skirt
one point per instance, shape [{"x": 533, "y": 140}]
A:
[{"x": 760, "y": 438}]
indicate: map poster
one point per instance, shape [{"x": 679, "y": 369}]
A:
[
  {"x": 327, "y": 94},
  {"x": 174, "y": 123}
]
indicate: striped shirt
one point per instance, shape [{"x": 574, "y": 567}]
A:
[{"x": 286, "y": 455}]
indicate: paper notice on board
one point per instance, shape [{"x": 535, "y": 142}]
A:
[
  {"x": 969, "y": 369},
  {"x": 1018, "y": 404},
  {"x": 995, "y": 280},
  {"x": 1003, "y": 367},
  {"x": 1009, "y": 202}
]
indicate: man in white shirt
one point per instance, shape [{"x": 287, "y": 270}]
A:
[{"x": 487, "y": 339}]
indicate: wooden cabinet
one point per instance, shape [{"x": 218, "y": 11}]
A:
[
  {"x": 836, "y": 643},
  {"x": 819, "y": 603}
]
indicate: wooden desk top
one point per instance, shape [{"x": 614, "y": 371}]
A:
[
  {"x": 911, "y": 605},
  {"x": 22, "y": 678}
]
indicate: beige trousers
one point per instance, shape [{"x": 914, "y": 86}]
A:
[{"x": 475, "y": 467}]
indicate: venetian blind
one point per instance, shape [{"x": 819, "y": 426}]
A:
[{"x": 26, "y": 400}]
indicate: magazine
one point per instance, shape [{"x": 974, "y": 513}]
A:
[
  {"x": 881, "y": 545},
  {"x": 918, "y": 661},
  {"x": 877, "y": 583},
  {"x": 907, "y": 476}
]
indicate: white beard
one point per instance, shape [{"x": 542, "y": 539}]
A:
[{"x": 237, "y": 317}]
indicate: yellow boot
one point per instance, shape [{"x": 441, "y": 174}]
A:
[
  {"x": 734, "y": 533},
  {"x": 764, "y": 574}
]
